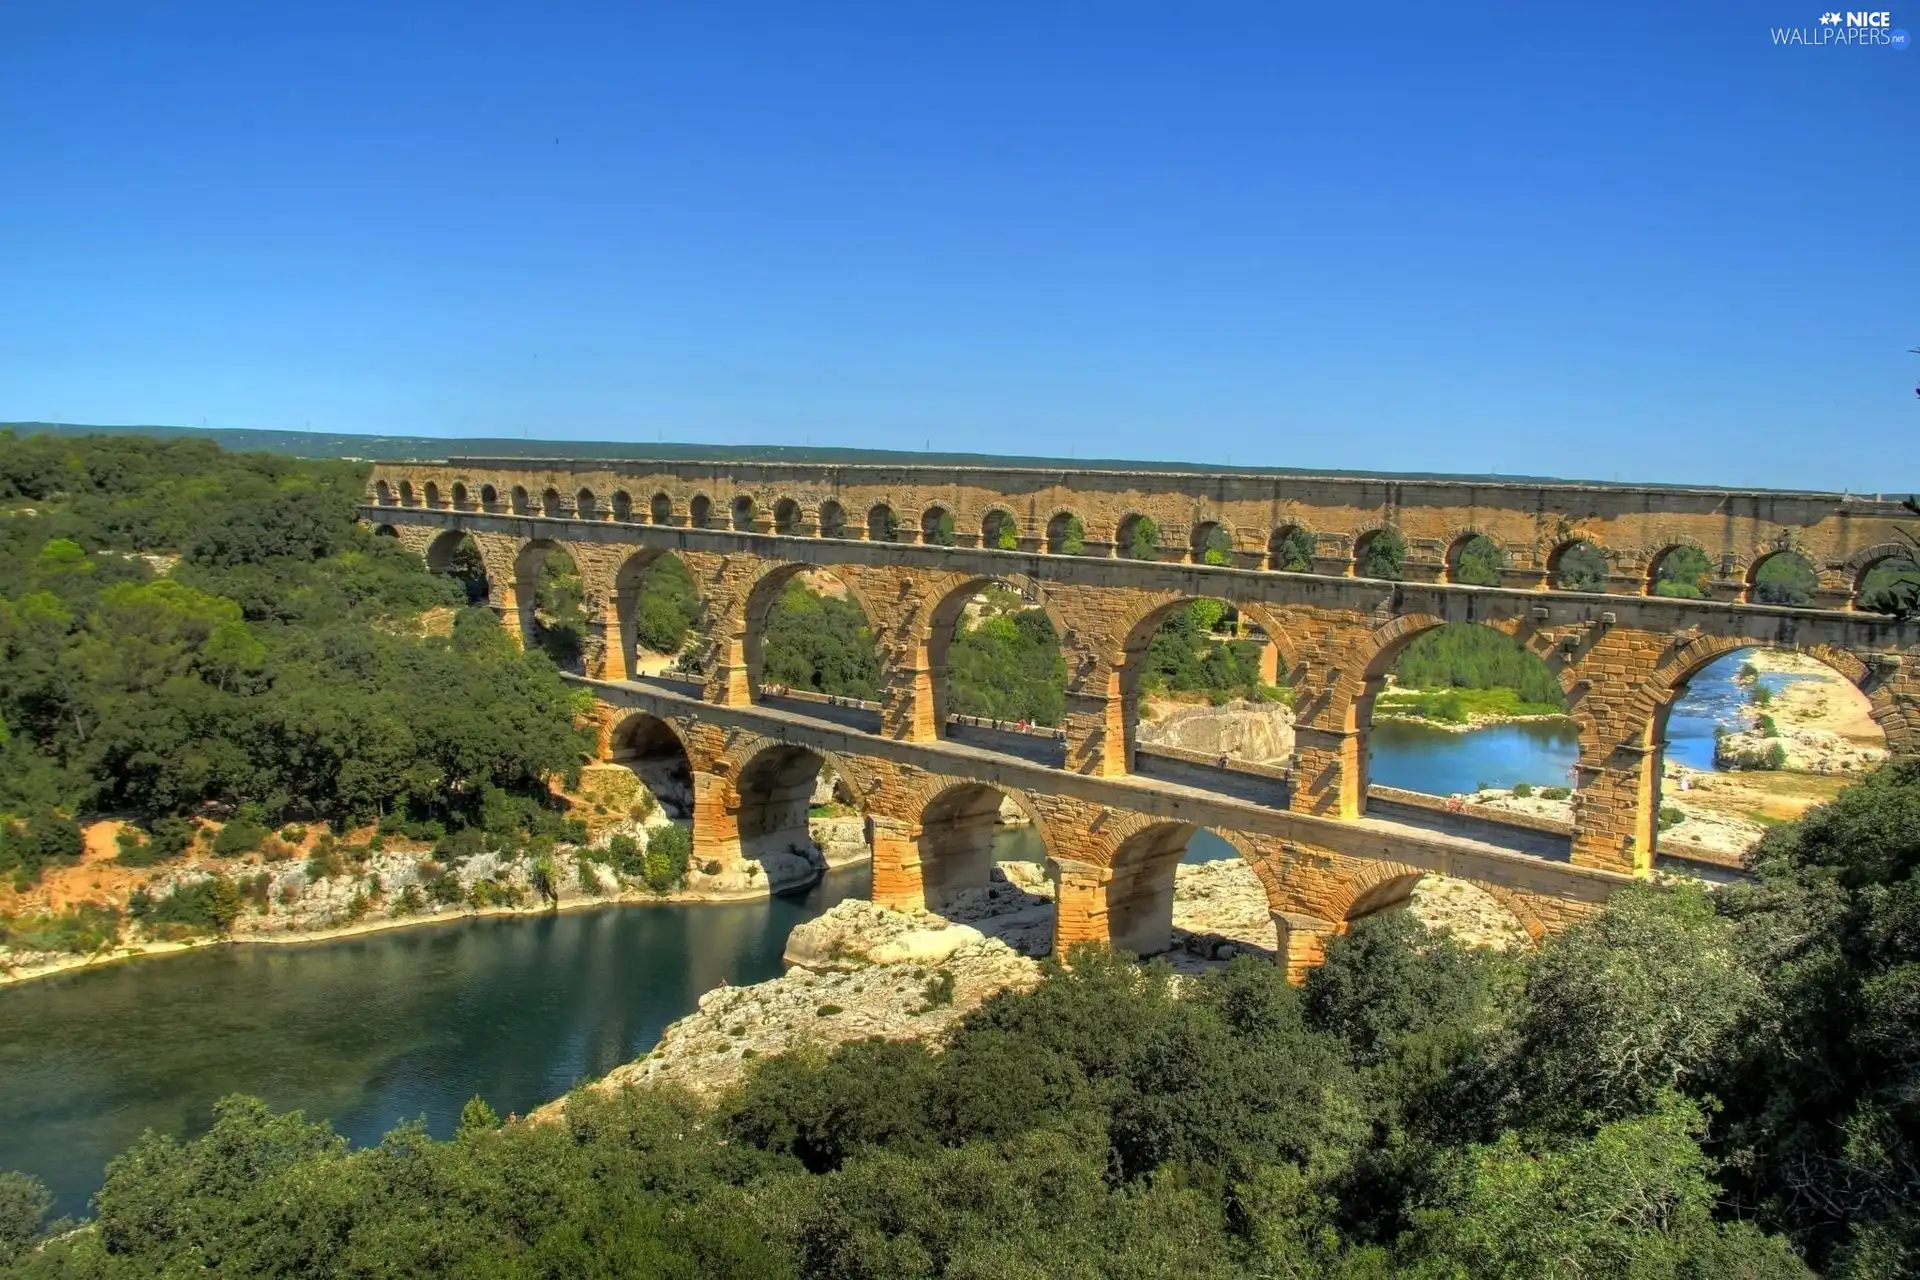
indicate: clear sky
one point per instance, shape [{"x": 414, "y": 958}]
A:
[{"x": 1620, "y": 240}]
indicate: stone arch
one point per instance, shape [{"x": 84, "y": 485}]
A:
[
  {"x": 1795, "y": 587},
  {"x": 1066, "y": 533},
  {"x": 1140, "y": 883},
  {"x": 700, "y": 511},
  {"x": 1862, "y": 563},
  {"x": 882, "y": 526},
  {"x": 999, "y": 527},
  {"x": 955, "y": 834},
  {"x": 386, "y": 531},
  {"x": 443, "y": 556},
  {"x": 1656, "y": 696},
  {"x": 786, "y": 517},
  {"x": 382, "y": 493},
  {"x": 1124, "y": 535},
  {"x": 770, "y": 793},
  {"x": 660, "y": 508},
  {"x": 1375, "y": 549},
  {"x": 1290, "y": 549},
  {"x": 765, "y": 590},
  {"x": 629, "y": 581},
  {"x": 936, "y": 526},
  {"x": 833, "y": 520},
  {"x": 657, "y": 754},
  {"x": 406, "y": 494},
  {"x": 1471, "y": 546},
  {"x": 743, "y": 511},
  {"x": 935, "y": 638},
  {"x": 1578, "y": 563},
  {"x": 528, "y": 563},
  {"x": 433, "y": 494},
  {"x": 522, "y": 504},
  {"x": 551, "y": 505},
  {"x": 586, "y": 506},
  {"x": 1211, "y": 542},
  {"x": 489, "y": 498},
  {"x": 460, "y": 502},
  {"x": 1381, "y": 886},
  {"x": 1661, "y": 560},
  {"x": 622, "y": 506}
]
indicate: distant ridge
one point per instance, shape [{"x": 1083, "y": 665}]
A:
[{"x": 316, "y": 444}]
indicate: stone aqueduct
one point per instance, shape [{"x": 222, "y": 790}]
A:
[{"x": 744, "y": 530}]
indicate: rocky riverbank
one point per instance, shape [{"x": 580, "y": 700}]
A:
[
  {"x": 1250, "y": 732},
  {"x": 315, "y": 887},
  {"x": 861, "y": 971}
]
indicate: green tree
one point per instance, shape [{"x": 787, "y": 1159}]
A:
[
  {"x": 1294, "y": 552},
  {"x": 1581, "y": 567},
  {"x": 1478, "y": 562},
  {"x": 1683, "y": 573},
  {"x": 24, "y": 1205},
  {"x": 1786, "y": 577},
  {"x": 1383, "y": 555}
]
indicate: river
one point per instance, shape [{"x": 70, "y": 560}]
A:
[{"x": 388, "y": 1026}]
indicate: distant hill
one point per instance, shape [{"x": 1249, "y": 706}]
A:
[{"x": 316, "y": 444}]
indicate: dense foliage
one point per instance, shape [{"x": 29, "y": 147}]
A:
[
  {"x": 1007, "y": 663},
  {"x": 1683, "y": 573},
  {"x": 1200, "y": 649},
  {"x": 270, "y": 670},
  {"x": 1478, "y": 562},
  {"x": 1465, "y": 655},
  {"x": 819, "y": 643}
]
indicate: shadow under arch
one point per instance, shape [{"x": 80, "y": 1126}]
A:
[
  {"x": 958, "y": 828},
  {"x": 653, "y": 750},
  {"x": 771, "y": 787},
  {"x": 453, "y": 552},
  {"x": 1139, "y": 891}
]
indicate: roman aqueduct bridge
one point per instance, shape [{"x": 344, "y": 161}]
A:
[{"x": 912, "y": 545}]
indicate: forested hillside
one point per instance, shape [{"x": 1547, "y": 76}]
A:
[
  {"x": 1690, "y": 1086},
  {"x": 187, "y": 631}
]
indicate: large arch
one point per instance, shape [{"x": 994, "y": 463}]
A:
[
  {"x": 772, "y": 792},
  {"x": 764, "y": 605},
  {"x": 1379, "y": 887},
  {"x": 550, "y": 597},
  {"x": 658, "y": 606},
  {"x": 956, "y": 838},
  {"x": 1139, "y": 890},
  {"x": 653, "y": 749},
  {"x": 944, "y": 629},
  {"x": 454, "y": 553}
]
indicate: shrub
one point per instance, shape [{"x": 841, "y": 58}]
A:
[
  {"x": 411, "y": 902},
  {"x": 441, "y": 885},
  {"x": 1555, "y": 793},
  {"x": 1762, "y": 696},
  {"x": 456, "y": 847},
  {"x": 274, "y": 849},
  {"x": 574, "y": 831},
  {"x": 589, "y": 881},
  {"x": 938, "y": 991},
  {"x": 1768, "y": 729},
  {"x": 668, "y": 850},
  {"x": 293, "y": 833},
  {"x": 238, "y": 837},
  {"x": 623, "y": 851},
  {"x": 1777, "y": 756},
  {"x": 45, "y": 838},
  {"x": 1670, "y": 817},
  {"x": 1523, "y": 789},
  {"x": 324, "y": 864},
  {"x": 205, "y": 906},
  {"x": 80, "y": 930}
]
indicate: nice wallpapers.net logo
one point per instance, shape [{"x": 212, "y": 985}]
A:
[{"x": 1834, "y": 30}]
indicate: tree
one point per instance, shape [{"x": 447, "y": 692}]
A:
[
  {"x": 1683, "y": 574},
  {"x": 1294, "y": 553},
  {"x": 1479, "y": 561},
  {"x": 1383, "y": 554},
  {"x": 1581, "y": 567},
  {"x": 24, "y": 1205}
]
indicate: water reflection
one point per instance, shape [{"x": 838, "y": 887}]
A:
[{"x": 365, "y": 1031}]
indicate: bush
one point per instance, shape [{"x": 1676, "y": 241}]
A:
[
  {"x": 79, "y": 930},
  {"x": 1670, "y": 817},
  {"x": 574, "y": 831},
  {"x": 43, "y": 839},
  {"x": 441, "y": 884},
  {"x": 668, "y": 850},
  {"x": 623, "y": 852},
  {"x": 169, "y": 838},
  {"x": 1556, "y": 793},
  {"x": 589, "y": 881},
  {"x": 238, "y": 837},
  {"x": 1523, "y": 789},
  {"x": 1768, "y": 729},
  {"x": 1776, "y": 756},
  {"x": 204, "y": 906}
]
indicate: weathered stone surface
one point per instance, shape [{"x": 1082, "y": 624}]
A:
[
  {"x": 1256, "y": 732},
  {"x": 855, "y": 934}
]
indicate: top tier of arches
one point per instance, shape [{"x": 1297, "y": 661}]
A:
[{"x": 1508, "y": 536}]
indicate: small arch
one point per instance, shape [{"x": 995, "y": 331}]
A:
[
  {"x": 936, "y": 527},
  {"x": 744, "y": 511},
  {"x": 1290, "y": 550},
  {"x": 1066, "y": 535},
  {"x": 999, "y": 531},
  {"x": 460, "y": 502},
  {"x": 833, "y": 520},
  {"x": 653, "y": 749},
  {"x": 586, "y": 506},
  {"x": 1380, "y": 553},
  {"x": 622, "y": 506},
  {"x": 1209, "y": 542},
  {"x": 382, "y": 494},
  {"x": 489, "y": 498},
  {"x": 522, "y": 504},
  {"x": 1886, "y": 578},
  {"x": 386, "y": 531},
  {"x": 1782, "y": 577},
  {"x": 433, "y": 494},
  {"x": 786, "y": 517},
  {"x": 550, "y": 504},
  {"x": 660, "y": 509},
  {"x": 1475, "y": 560},
  {"x": 406, "y": 493},
  {"x": 700, "y": 511},
  {"x": 1137, "y": 537},
  {"x": 881, "y": 524},
  {"x": 1680, "y": 572},
  {"x": 1577, "y": 565}
]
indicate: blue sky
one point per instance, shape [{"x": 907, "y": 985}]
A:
[{"x": 1621, "y": 241}]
